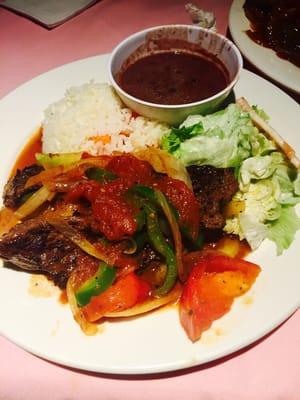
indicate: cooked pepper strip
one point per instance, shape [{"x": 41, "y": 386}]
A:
[
  {"x": 196, "y": 244},
  {"x": 100, "y": 175},
  {"x": 49, "y": 160},
  {"x": 140, "y": 220},
  {"x": 161, "y": 246},
  {"x": 157, "y": 197},
  {"x": 97, "y": 284}
]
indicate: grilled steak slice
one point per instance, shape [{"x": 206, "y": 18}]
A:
[
  {"x": 14, "y": 190},
  {"x": 35, "y": 245},
  {"x": 213, "y": 187}
]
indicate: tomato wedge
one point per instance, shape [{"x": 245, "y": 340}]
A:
[
  {"x": 214, "y": 282},
  {"x": 125, "y": 293}
]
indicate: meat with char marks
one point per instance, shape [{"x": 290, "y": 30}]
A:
[
  {"x": 14, "y": 190},
  {"x": 214, "y": 188},
  {"x": 34, "y": 245}
]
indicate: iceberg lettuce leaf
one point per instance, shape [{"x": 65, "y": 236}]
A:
[
  {"x": 253, "y": 231},
  {"x": 223, "y": 139},
  {"x": 283, "y": 230}
]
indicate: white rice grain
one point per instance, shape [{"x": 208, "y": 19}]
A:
[{"x": 92, "y": 118}]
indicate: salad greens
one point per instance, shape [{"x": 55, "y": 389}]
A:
[
  {"x": 268, "y": 185},
  {"x": 223, "y": 139},
  {"x": 269, "y": 188}
]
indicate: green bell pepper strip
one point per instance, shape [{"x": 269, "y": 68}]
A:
[
  {"x": 140, "y": 220},
  {"x": 54, "y": 160},
  {"x": 100, "y": 175},
  {"x": 161, "y": 246},
  {"x": 158, "y": 198},
  {"x": 196, "y": 244},
  {"x": 146, "y": 192},
  {"x": 97, "y": 284}
]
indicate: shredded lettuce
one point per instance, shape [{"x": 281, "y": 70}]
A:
[
  {"x": 254, "y": 232},
  {"x": 297, "y": 185},
  {"x": 283, "y": 230},
  {"x": 258, "y": 167},
  {"x": 223, "y": 139},
  {"x": 269, "y": 188},
  {"x": 261, "y": 112}
]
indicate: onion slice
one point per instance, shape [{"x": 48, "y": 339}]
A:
[
  {"x": 165, "y": 163},
  {"x": 175, "y": 232},
  {"x": 34, "y": 202},
  {"x": 148, "y": 305},
  {"x": 51, "y": 174},
  {"x": 44, "y": 176},
  {"x": 130, "y": 245},
  {"x": 87, "y": 327}
]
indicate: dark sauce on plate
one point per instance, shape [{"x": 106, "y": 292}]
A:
[
  {"x": 174, "y": 77},
  {"x": 276, "y": 24}
]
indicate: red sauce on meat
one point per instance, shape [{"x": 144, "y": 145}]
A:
[
  {"x": 113, "y": 212},
  {"x": 113, "y": 215},
  {"x": 276, "y": 24},
  {"x": 174, "y": 77},
  {"x": 185, "y": 202},
  {"x": 131, "y": 168}
]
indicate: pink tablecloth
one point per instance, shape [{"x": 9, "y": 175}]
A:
[{"x": 268, "y": 370}]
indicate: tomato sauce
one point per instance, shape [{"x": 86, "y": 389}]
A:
[
  {"x": 27, "y": 155},
  {"x": 115, "y": 215}
]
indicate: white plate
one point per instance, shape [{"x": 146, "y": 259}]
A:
[
  {"x": 155, "y": 342},
  {"x": 266, "y": 60}
]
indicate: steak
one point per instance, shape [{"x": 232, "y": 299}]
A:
[
  {"x": 15, "y": 191},
  {"x": 214, "y": 188},
  {"x": 34, "y": 245}
]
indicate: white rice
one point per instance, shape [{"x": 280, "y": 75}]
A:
[{"x": 92, "y": 118}]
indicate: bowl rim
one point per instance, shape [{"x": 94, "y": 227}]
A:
[{"x": 118, "y": 88}]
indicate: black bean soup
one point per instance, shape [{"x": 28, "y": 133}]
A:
[{"x": 174, "y": 77}]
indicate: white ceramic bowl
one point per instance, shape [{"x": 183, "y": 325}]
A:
[{"x": 143, "y": 42}]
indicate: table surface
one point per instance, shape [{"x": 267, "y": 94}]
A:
[{"x": 268, "y": 369}]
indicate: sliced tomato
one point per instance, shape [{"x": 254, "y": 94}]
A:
[
  {"x": 214, "y": 282},
  {"x": 125, "y": 293}
]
